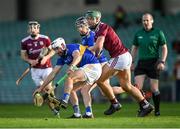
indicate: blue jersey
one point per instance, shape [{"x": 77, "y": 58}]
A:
[
  {"x": 87, "y": 58},
  {"x": 88, "y": 40}
]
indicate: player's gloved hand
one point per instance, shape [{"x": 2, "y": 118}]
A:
[{"x": 71, "y": 68}]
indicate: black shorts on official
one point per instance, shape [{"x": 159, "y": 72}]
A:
[{"x": 147, "y": 67}]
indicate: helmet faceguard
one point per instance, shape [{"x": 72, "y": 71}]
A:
[
  {"x": 94, "y": 18},
  {"x": 81, "y": 21},
  {"x": 59, "y": 43},
  {"x": 34, "y": 23},
  {"x": 33, "y": 28}
]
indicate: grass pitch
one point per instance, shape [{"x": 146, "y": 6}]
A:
[{"x": 28, "y": 116}]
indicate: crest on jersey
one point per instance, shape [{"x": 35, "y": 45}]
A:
[
  {"x": 41, "y": 43},
  {"x": 35, "y": 44}
]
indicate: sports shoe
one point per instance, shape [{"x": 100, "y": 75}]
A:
[
  {"x": 157, "y": 113},
  {"x": 75, "y": 117},
  {"x": 88, "y": 116},
  {"x": 144, "y": 112},
  {"x": 113, "y": 108}
]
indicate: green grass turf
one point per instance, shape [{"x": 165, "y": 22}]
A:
[{"x": 28, "y": 116}]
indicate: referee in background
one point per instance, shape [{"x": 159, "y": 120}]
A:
[{"x": 147, "y": 42}]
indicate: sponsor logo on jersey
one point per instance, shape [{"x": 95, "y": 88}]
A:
[
  {"x": 31, "y": 51},
  {"x": 29, "y": 44}
]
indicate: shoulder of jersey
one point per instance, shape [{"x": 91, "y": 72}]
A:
[
  {"x": 43, "y": 36},
  {"x": 92, "y": 32},
  {"x": 25, "y": 39}
]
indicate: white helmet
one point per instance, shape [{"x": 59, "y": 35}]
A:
[{"x": 59, "y": 43}]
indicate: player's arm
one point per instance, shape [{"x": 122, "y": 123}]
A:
[
  {"x": 24, "y": 56},
  {"x": 76, "y": 58},
  {"x": 51, "y": 53},
  {"x": 98, "y": 47},
  {"x": 48, "y": 56}
]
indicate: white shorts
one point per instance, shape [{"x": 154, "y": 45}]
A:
[
  {"x": 92, "y": 72},
  {"x": 121, "y": 62},
  {"x": 39, "y": 75}
]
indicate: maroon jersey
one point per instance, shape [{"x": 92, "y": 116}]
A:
[
  {"x": 33, "y": 48},
  {"x": 112, "y": 42}
]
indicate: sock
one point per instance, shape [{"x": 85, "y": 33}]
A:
[
  {"x": 66, "y": 97},
  {"x": 143, "y": 104},
  {"x": 156, "y": 100},
  {"x": 76, "y": 109},
  {"x": 114, "y": 101},
  {"x": 88, "y": 110}
]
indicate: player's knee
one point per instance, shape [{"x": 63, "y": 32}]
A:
[
  {"x": 100, "y": 83},
  {"x": 127, "y": 87},
  {"x": 85, "y": 91}
]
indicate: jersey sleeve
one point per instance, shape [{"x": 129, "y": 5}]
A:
[
  {"x": 48, "y": 42},
  {"x": 90, "y": 39},
  {"x": 23, "y": 46},
  {"x": 60, "y": 61},
  {"x": 103, "y": 31},
  {"x": 162, "y": 39}
]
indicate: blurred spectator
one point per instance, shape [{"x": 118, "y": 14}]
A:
[
  {"x": 176, "y": 45},
  {"x": 119, "y": 18},
  {"x": 177, "y": 77}
]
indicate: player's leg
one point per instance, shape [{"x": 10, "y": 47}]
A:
[
  {"x": 75, "y": 102},
  {"x": 87, "y": 99},
  {"x": 74, "y": 77},
  {"x": 155, "y": 95},
  {"x": 107, "y": 72},
  {"x": 92, "y": 72},
  {"x": 118, "y": 90},
  {"x": 122, "y": 65},
  {"x": 125, "y": 81},
  {"x": 139, "y": 81}
]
